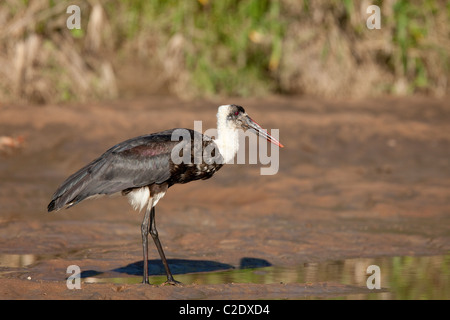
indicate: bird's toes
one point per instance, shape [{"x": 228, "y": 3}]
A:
[{"x": 172, "y": 282}]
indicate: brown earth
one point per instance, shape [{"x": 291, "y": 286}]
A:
[{"x": 366, "y": 178}]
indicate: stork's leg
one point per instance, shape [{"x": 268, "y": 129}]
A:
[
  {"x": 144, "y": 233},
  {"x": 154, "y": 234}
]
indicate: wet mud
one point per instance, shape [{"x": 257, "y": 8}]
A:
[{"x": 366, "y": 179}]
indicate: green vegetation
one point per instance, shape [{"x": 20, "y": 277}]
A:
[{"x": 227, "y": 47}]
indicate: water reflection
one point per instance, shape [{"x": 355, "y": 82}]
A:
[
  {"x": 17, "y": 260},
  {"x": 405, "y": 277},
  {"x": 425, "y": 277}
]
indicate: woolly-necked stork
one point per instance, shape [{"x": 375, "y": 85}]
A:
[{"x": 143, "y": 168}]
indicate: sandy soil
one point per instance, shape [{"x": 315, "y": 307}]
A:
[{"x": 364, "y": 178}]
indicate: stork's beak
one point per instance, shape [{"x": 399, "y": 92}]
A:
[{"x": 251, "y": 124}]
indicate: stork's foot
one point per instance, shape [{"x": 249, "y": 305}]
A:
[{"x": 172, "y": 282}]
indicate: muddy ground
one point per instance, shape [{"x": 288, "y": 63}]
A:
[{"x": 367, "y": 178}]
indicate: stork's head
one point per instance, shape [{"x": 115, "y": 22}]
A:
[{"x": 234, "y": 117}]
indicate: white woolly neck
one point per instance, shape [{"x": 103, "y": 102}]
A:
[{"x": 227, "y": 135}]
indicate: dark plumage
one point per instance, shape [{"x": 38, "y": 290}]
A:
[
  {"x": 143, "y": 168},
  {"x": 131, "y": 164}
]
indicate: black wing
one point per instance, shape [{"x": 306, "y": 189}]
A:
[{"x": 130, "y": 164}]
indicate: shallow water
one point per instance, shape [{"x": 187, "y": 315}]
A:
[
  {"x": 401, "y": 277},
  {"x": 407, "y": 277}
]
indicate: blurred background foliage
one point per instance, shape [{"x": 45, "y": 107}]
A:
[{"x": 203, "y": 48}]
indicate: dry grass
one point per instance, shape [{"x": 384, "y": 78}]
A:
[
  {"x": 43, "y": 61},
  {"x": 329, "y": 51},
  {"x": 287, "y": 46}
]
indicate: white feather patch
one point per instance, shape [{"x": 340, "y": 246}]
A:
[
  {"x": 156, "y": 198},
  {"x": 139, "y": 198},
  {"x": 228, "y": 137}
]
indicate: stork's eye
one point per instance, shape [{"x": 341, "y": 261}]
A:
[{"x": 236, "y": 113}]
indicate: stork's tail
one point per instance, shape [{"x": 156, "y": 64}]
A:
[
  {"x": 66, "y": 195},
  {"x": 72, "y": 190}
]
